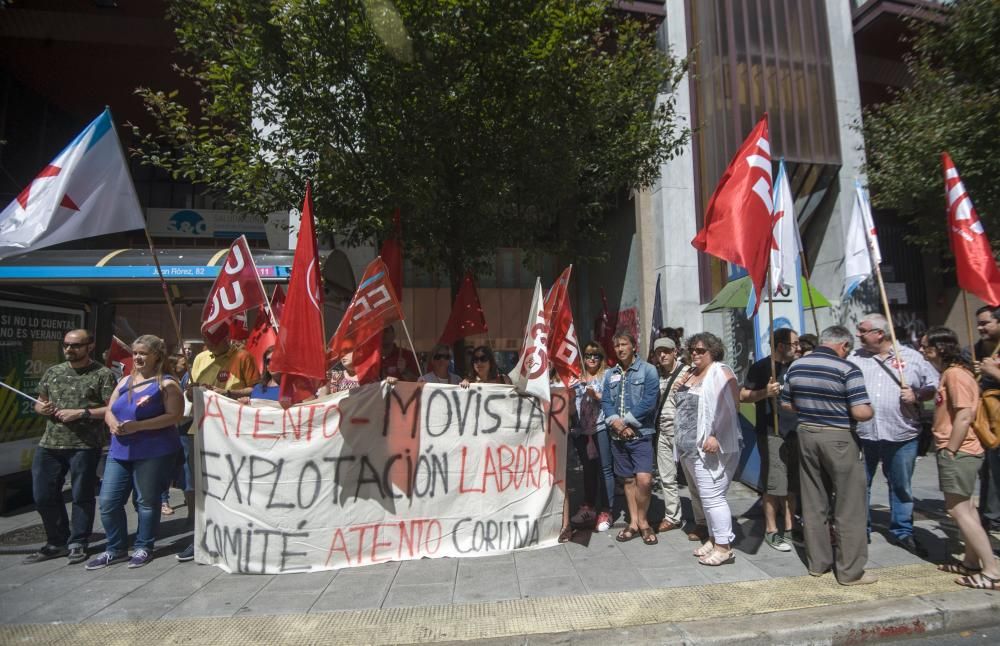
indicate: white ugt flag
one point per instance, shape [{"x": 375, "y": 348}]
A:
[
  {"x": 784, "y": 259},
  {"x": 531, "y": 374},
  {"x": 86, "y": 191},
  {"x": 859, "y": 257}
]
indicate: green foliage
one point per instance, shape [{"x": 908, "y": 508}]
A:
[
  {"x": 490, "y": 124},
  {"x": 953, "y": 105}
]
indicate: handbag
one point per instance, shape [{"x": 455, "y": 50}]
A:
[{"x": 987, "y": 422}]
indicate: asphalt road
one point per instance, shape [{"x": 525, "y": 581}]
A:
[{"x": 989, "y": 635}]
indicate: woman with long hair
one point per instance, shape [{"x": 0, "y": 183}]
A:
[
  {"x": 142, "y": 417},
  {"x": 483, "y": 368},
  {"x": 708, "y": 440},
  {"x": 959, "y": 456},
  {"x": 593, "y": 446},
  {"x": 270, "y": 382}
]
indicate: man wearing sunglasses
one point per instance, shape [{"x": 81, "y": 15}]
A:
[
  {"x": 892, "y": 435},
  {"x": 73, "y": 397}
]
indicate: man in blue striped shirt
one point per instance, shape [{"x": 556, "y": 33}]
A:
[{"x": 829, "y": 395}]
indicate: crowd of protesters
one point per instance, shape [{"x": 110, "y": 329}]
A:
[{"x": 827, "y": 415}]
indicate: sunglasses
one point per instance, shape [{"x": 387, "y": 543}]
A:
[
  {"x": 76, "y": 346},
  {"x": 438, "y": 357},
  {"x": 480, "y": 358},
  {"x": 592, "y": 355},
  {"x": 698, "y": 351}
]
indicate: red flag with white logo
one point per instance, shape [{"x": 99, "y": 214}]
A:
[
  {"x": 263, "y": 335},
  {"x": 466, "y": 316},
  {"x": 738, "y": 220},
  {"x": 373, "y": 307},
  {"x": 975, "y": 264},
  {"x": 300, "y": 354},
  {"x": 237, "y": 288},
  {"x": 564, "y": 349},
  {"x": 120, "y": 353}
]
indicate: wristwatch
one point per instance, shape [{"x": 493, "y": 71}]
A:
[{"x": 86, "y": 414}]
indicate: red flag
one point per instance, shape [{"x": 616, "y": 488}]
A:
[
  {"x": 239, "y": 327},
  {"x": 263, "y": 335},
  {"x": 466, "y": 316},
  {"x": 373, "y": 307},
  {"x": 236, "y": 289},
  {"x": 368, "y": 360},
  {"x": 120, "y": 352},
  {"x": 604, "y": 330},
  {"x": 300, "y": 354},
  {"x": 738, "y": 221},
  {"x": 975, "y": 264},
  {"x": 564, "y": 349},
  {"x": 392, "y": 255}
]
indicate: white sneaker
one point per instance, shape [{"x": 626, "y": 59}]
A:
[
  {"x": 603, "y": 521},
  {"x": 584, "y": 516}
]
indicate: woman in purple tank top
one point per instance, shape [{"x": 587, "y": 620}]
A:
[{"x": 142, "y": 417}]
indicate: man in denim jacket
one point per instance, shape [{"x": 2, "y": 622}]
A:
[{"x": 631, "y": 391}]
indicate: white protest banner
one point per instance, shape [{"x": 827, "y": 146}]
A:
[{"x": 377, "y": 474}]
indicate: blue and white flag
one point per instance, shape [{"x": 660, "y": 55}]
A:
[
  {"x": 786, "y": 243},
  {"x": 861, "y": 251},
  {"x": 85, "y": 191}
]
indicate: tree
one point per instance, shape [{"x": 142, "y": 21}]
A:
[
  {"x": 490, "y": 124},
  {"x": 953, "y": 104}
]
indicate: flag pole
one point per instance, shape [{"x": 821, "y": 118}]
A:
[
  {"x": 888, "y": 313},
  {"x": 15, "y": 390},
  {"x": 968, "y": 324},
  {"x": 809, "y": 295},
  {"x": 260, "y": 283},
  {"x": 149, "y": 240},
  {"x": 770, "y": 327},
  {"x": 410, "y": 341}
]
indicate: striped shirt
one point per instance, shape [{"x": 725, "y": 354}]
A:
[{"x": 823, "y": 388}]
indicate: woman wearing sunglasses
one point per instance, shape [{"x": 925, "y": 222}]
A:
[
  {"x": 439, "y": 367},
  {"x": 959, "y": 456},
  {"x": 708, "y": 440},
  {"x": 483, "y": 369},
  {"x": 593, "y": 447}
]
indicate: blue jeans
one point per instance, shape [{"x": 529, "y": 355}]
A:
[
  {"x": 898, "y": 459},
  {"x": 48, "y": 473},
  {"x": 147, "y": 478},
  {"x": 607, "y": 467}
]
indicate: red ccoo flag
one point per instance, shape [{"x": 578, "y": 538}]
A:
[
  {"x": 263, "y": 335},
  {"x": 975, "y": 265},
  {"x": 120, "y": 352},
  {"x": 373, "y": 307},
  {"x": 738, "y": 221},
  {"x": 236, "y": 289},
  {"x": 564, "y": 349},
  {"x": 300, "y": 354},
  {"x": 466, "y": 316}
]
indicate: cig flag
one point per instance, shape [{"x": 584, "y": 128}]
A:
[
  {"x": 975, "y": 265},
  {"x": 236, "y": 289},
  {"x": 861, "y": 250},
  {"x": 564, "y": 347},
  {"x": 786, "y": 245},
  {"x": 300, "y": 354},
  {"x": 85, "y": 191},
  {"x": 738, "y": 219},
  {"x": 531, "y": 374}
]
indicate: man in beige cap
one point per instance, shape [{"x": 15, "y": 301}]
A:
[{"x": 670, "y": 370}]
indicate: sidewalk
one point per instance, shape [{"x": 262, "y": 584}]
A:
[{"x": 591, "y": 583}]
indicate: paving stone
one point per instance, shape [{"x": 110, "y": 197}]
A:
[
  {"x": 428, "y": 594},
  {"x": 425, "y": 571},
  {"x": 552, "y": 586},
  {"x": 80, "y": 603}
]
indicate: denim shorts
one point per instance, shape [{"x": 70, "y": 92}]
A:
[{"x": 632, "y": 456}]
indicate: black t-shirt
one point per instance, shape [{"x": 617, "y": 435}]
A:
[
  {"x": 757, "y": 377},
  {"x": 984, "y": 349}
]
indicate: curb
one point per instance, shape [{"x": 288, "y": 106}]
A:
[{"x": 845, "y": 624}]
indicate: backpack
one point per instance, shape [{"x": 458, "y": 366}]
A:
[{"x": 987, "y": 422}]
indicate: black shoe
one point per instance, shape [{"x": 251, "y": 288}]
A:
[
  {"x": 76, "y": 555},
  {"x": 47, "y": 553},
  {"x": 910, "y": 544},
  {"x": 187, "y": 554}
]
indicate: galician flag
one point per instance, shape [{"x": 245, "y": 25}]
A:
[
  {"x": 861, "y": 251},
  {"x": 85, "y": 191},
  {"x": 785, "y": 244}
]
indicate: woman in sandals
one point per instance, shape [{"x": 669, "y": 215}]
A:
[
  {"x": 707, "y": 438},
  {"x": 142, "y": 417},
  {"x": 959, "y": 456}
]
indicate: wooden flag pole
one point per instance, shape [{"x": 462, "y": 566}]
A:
[
  {"x": 888, "y": 318},
  {"x": 267, "y": 301},
  {"x": 410, "y": 341},
  {"x": 770, "y": 327},
  {"x": 166, "y": 290},
  {"x": 968, "y": 324}
]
